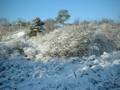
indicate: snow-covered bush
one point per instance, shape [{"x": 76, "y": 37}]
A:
[
  {"x": 64, "y": 43},
  {"x": 13, "y": 48},
  {"x": 100, "y": 44},
  {"x": 75, "y": 41},
  {"x": 111, "y": 31},
  {"x": 30, "y": 52},
  {"x": 4, "y": 53},
  {"x": 69, "y": 41}
]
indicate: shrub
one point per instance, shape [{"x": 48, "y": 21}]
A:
[
  {"x": 76, "y": 41},
  {"x": 12, "y": 48},
  {"x": 100, "y": 44},
  {"x": 108, "y": 21},
  {"x": 76, "y": 21},
  {"x": 50, "y": 24},
  {"x": 64, "y": 43},
  {"x": 30, "y": 52}
]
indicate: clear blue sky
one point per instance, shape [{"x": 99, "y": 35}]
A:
[{"x": 82, "y": 9}]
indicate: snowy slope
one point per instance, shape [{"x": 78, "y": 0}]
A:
[{"x": 25, "y": 63}]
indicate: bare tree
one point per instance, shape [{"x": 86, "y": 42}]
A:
[
  {"x": 77, "y": 21},
  {"x": 50, "y": 24},
  {"x": 4, "y": 27},
  {"x": 19, "y": 24},
  {"x": 3, "y": 21}
]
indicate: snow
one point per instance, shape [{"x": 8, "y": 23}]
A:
[
  {"x": 20, "y": 34},
  {"x": 57, "y": 74},
  {"x": 24, "y": 67}
]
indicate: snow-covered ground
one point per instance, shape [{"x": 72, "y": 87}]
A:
[
  {"x": 88, "y": 73},
  {"x": 24, "y": 66}
]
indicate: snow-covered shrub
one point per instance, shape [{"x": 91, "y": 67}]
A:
[
  {"x": 100, "y": 44},
  {"x": 4, "y": 53},
  {"x": 112, "y": 32},
  {"x": 50, "y": 24},
  {"x": 110, "y": 57},
  {"x": 75, "y": 41},
  {"x": 13, "y": 48},
  {"x": 30, "y": 52},
  {"x": 64, "y": 43}
]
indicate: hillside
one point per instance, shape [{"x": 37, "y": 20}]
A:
[{"x": 76, "y": 57}]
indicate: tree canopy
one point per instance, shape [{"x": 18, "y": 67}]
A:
[{"x": 63, "y": 16}]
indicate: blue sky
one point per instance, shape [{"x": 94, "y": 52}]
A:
[{"x": 78, "y": 9}]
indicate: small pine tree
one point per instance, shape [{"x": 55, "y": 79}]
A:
[
  {"x": 35, "y": 26},
  {"x": 63, "y": 16}
]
